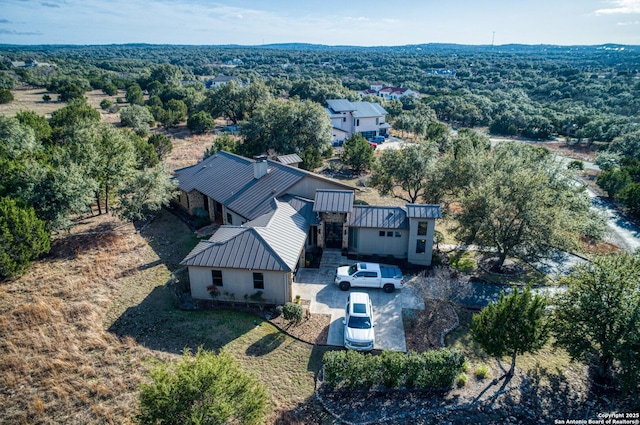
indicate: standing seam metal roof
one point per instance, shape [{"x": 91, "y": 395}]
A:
[
  {"x": 368, "y": 109},
  {"x": 379, "y": 217},
  {"x": 341, "y": 105},
  {"x": 272, "y": 242},
  {"x": 340, "y": 201},
  {"x": 423, "y": 211},
  {"x": 229, "y": 180}
]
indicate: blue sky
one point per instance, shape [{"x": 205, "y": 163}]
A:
[{"x": 332, "y": 22}]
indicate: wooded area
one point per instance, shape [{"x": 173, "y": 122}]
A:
[{"x": 72, "y": 162}]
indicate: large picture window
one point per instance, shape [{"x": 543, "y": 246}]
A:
[
  {"x": 258, "y": 281},
  {"x": 216, "y": 276}
]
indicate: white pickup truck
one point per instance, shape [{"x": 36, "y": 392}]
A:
[{"x": 369, "y": 275}]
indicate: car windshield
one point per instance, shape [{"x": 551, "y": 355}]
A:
[
  {"x": 357, "y": 322},
  {"x": 353, "y": 269}
]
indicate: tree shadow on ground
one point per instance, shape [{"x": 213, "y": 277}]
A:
[
  {"x": 542, "y": 394},
  {"x": 103, "y": 236},
  {"x": 169, "y": 237},
  {"x": 266, "y": 344},
  {"x": 157, "y": 324}
]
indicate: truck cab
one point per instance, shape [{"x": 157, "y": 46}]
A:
[{"x": 369, "y": 275}]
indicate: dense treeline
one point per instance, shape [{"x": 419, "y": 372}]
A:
[
  {"x": 589, "y": 93},
  {"x": 63, "y": 165}
]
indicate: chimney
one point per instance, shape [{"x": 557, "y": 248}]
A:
[{"x": 260, "y": 166}]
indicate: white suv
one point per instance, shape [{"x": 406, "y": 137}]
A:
[{"x": 358, "y": 322}]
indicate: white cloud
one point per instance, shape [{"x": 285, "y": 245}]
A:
[
  {"x": 624, "y": 24},
  {"x": 621, "y": 7}
]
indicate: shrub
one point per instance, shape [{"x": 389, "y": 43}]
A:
[
  {"x": 429, "y": 370},
  {"x": 106, "y": 104},
  {"x": 393, "y": 368},
  {"x": 23, "y": 238},
  {"x": 576, "y": 165},
  {"x": 5, "y": 96},
  {"x": 292, "y": 312},
  {"x": 481, "y": 372},
  {"x": 461, "y": 380},
  {"x": 208, "y": 386},
  {"x": 214, "y": 291},
  {"x": 200, "y": 122}
]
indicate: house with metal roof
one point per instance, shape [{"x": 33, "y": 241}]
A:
[
  {"x": 273, "y": 215},
  {"x": 347, "y": 118},
  {"x": 388, "y": 92}
]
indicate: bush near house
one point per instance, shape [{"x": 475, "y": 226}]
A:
[{"x": 435, "y": 369}]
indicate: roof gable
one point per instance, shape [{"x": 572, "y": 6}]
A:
[
  {"x": 272, "y": 242},
  {"x": 229, "y": 179}
]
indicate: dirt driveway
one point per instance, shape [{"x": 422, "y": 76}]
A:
[{"x": 316, "y": 285}]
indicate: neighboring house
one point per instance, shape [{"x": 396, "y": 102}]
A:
[
  {"x": 441, "y": 72},
  {"x": 388, "y": 92},
  {"x": 273, "y": 214},
  {"x": 221, "y": 80},
  {"x": 347, "y": 118}
]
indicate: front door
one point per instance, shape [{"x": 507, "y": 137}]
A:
[{"x": 333, "y": 235}]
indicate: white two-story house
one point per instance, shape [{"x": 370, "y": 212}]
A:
[{"x": 347, "y": 118}]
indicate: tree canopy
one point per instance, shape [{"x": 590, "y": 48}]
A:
[
  {"x": 526, "y": 204},
  {"x": 23, "y": 238},
  {"x": 516, "y": 324},
  {"x": 205, "y": 389},
  {"x": 598, "y": 317},
  {"x": 404, "y": 173}
]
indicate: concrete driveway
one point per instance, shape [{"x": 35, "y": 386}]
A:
[{"x": 316, "y": 285}]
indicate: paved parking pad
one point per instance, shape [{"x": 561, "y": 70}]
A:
[{"x": 317, "y": 286}]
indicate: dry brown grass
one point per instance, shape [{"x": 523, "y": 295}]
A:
[
  {"x": 29, "y": 98},
  {"x": 58, "y": 364}
]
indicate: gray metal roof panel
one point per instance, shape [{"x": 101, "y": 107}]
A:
[
  {"x": 303, "y": 206},
  {"x": 368, "y": 109},
  {"x": 340, "y": 105},
  {"x": 379, "y": 217},
  {"x": 293, "y": 158},
  {"x": 340, "y": 201},
  {"x": 274, "y": 241},
  {"x": 286, "y": 233},
  {"x": 423, "y": 211},
  {"x": 246, "y": 250},
  {"x": 229, "y": 179}
]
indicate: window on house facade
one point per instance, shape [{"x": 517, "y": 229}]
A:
[
  {"x": 229, "y": 218},
  {"x": 422, "y": 228},
  {"x": 377, "y": 121},
  {"x": 258, "y": 281},
  {"x": 381, "y": 233},
  {"x": 389, "y": 234},
  {"x": 420, "y": 246},
  {"x": 344, "y": 119},
  {"x": 357, "y": 123},
  {"x": 398, "y": 235},
  {"x": 216, "y": 277},
  {"x": 186, "y": 195}
]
